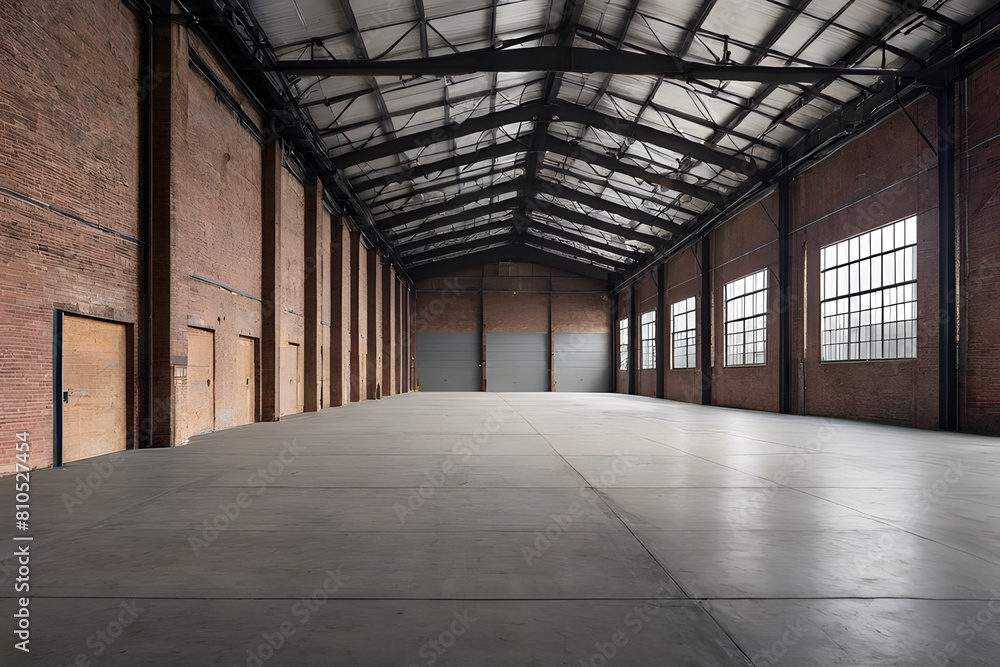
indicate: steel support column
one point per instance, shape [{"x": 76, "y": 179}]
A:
[
  {"x": 633, "y": 337},
  {"x": 705, "y": 327},
  {"x": 947, "y": 350},
  {"x": 784, "y": 323},
  {"x": 661, "y": 317}
]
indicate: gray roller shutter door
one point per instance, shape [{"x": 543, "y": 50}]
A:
[
  {"x": 581, "y": 362},
  {"x": 449, "y": 362},
  {"x": 517, "y": 362}
]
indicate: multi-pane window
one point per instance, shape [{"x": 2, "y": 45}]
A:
[
  {"x": 746, "y": 320},
  {"x": 647, "y": 335},
  {"x": 868, "y": 294},
  {"x": 623, "y": 344},
  {"x": 682, "y": 333}
]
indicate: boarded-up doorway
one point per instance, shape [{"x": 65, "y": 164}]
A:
[
  {"x": 200, "y": 413},
  {"x": 95, "y": 387},
  {"x": 292, "y": 389},
  {"x": 245, "y": 411}
]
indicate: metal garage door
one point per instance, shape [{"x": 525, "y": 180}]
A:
[
  {"x": 449, "y": 362},
  {"x": 581, "y": 361},
  {"x": 517, "y": 362}
]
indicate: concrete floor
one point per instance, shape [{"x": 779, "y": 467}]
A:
[{"x": 520, "y": 529}]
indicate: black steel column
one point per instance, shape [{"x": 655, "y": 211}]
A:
[
  {"x": 947, "y": 352},
  {"x": 57, "y": 389},
  {"x": 632, "y": 338},
  {"x": 615, "y": 359},
  {"x": 705, "y": 331},
  {"x": 784, "y": 326},
  {"x": 661, "y": 321}
]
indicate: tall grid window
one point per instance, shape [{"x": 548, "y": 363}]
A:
[
  {"x": 868, "y": 294},
  {"x": 623, "y": 344},
  {"x": 682, "y": 333},
  {"x": 746, "y": 320},
  {"x": 647, "y": 335}
]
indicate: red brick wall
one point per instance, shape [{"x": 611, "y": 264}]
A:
[
  {"x": 69, "y": 140},
  {"x": 216, "y": 226},
  {"x": 884, "y": 176},
  {"x": 743, "y": 245},
  {"x": 646, "y": 301},
  {"x": 979, "y": 246},
  {"x": 683, "y": 278}
]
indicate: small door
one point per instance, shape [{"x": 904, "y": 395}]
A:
[
  {"x": 292, "y": 390},
  {"x": 95, "y": 387},
  {"x": 245, "y": 411},
  {"x": 200, "y": 413}
]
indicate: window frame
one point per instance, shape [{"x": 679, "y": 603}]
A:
[
  {"x": 690, "y": 334},
  {"x": 623, "y": 344},
  {"x": 736, "y": 291},
  {"x": 647, "y": 343},
  {"x": 852, "y": 312}
]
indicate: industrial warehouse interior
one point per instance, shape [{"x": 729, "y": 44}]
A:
[{"x": 500, "y": 332}]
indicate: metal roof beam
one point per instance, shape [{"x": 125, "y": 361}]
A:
[
  {"x": 525, "y": 222},
  {"x": 431, "y": 168},
  {"x": 457, "y": 218},
  {"x": 508, "y": 252},
  {"x": 452, "y": 235},
  {"x": 562, "y": 111},
  {"x": 572, "y": 251},
  {"x": 578, "y": 60},
  {"x": 531, "y": 187},
  {"x": 546, "y": 208}
]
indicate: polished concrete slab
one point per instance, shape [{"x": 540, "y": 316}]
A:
[{"x": 519, "y": 529}]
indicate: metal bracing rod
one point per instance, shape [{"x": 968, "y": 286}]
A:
[
  {"x": 522, "y": 225},
  {"x": 526, "y": 222},
  {"x": 553, "y": 145},
  {"x": 572, "y": 251},
  {"x": 692, "y": 30},
  {"x": 426, "y": 241},
  {"x": 531, "y": 187},
  {"x": 507, "y": 251},
  {"x": 562, "y": 111},
  {"x": 440, "y": 166},
  {"x": 577, "y": 60},
  {"x": 548, "y": 244},
  {"x": 531, "y": 205}
]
